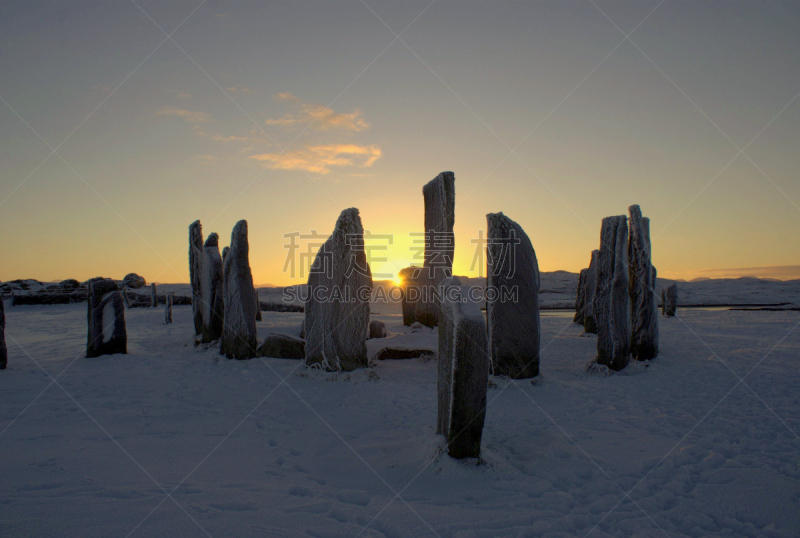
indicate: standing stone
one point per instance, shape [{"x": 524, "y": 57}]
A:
[
  {"x": 258, "y": 308},
  {"x": 225, "y": 251},
  {"x": 337, "y": 304},
  {"x": 211, "y": 291},
  {"x": 196, "y": 273},
  {"x": 644, "y": 310},
  {"x": 440, "y": 201},
  {"x": 463, "y": 373},
  {"x": 153, "y": 295},
  {"x": 670, "y": 297},
  {"x": 168, "y": 308},
  {"x": 590, "y": 291},
  {"x": 580, "y": 299},
  {"x": 239, "y": 335},
  {"x": 3, "y": 348},
  {"x": 612, "y": 303},
  {"x": 377, "y": 329},
  {"x": 106, "y": 319},
  {"x": 408, "y": 285},
  {"x": 125, "y": 298},
  {"x": 512, "y": 303}
]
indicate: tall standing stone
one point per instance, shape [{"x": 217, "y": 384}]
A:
[
  {"x": 239, "y": 335},
  {"x": 408, "y": 277},
  {"x": 590, "y": 291},
  {"x": 644, "y": 308},
  {"x": 106, "y": 319},
  {"x": 612, "y": 301},
  {"x": 168, "y": 308},
  {"x": 337, "y": 304},
  {"x": 670, "y": 298},
  {"x": 211, "y": 290},
  {"x": 512, "y": 299},
  {"x": 440, "y": 201},
  {"x": 225, "y": 251},
  {"x": 3, "y": 348},
  {"x": 153, "y": 295},
  {"x": 463, "y": 372},
  {"x": 580, "y": 299},
  {"x": 196, "y": 273}
]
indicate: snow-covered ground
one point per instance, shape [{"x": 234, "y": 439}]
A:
[{"x": 173, "y": 440}]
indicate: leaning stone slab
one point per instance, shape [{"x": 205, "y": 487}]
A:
[
  {"x": 463, "y": 372},
  {"x": 377, "y": 329},
  {"x": 670, "y": 296},
  {"x": 612, "y": 303},
  {"x": 512, "y": 313},
  {"x": 239, "y": 336},
  {"x": 337, "y": 304},
  {"x": 196, "y": 273},
  {"x": 211, "y": 291},
  {"x": 282, "y": 346},
  {"x": 642, "y": 283},
  {"x": 590, "y": 288},
  {"x": 440, "y": 200},
  {"x": 106, "y": 319}
]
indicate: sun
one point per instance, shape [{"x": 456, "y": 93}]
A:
[{"x": 397, "y": 281}]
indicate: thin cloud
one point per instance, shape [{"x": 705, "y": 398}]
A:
[
  {"x": 184, "y": 95},
  {"x": 320, "y": 117},
  {"x": 190, "y": 116},
  {"x": 320, "y": 159}
]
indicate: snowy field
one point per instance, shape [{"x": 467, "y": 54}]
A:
[{"x": 173, "y": 440}]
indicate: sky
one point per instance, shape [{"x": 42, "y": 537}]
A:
[{"x": 123, "y": 122}]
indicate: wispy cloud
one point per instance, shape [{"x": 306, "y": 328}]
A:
[
  {"x": 184, "y": 95},
  {"x": 320, "y": 159},
  {"x": 319, "y": 117},
  {"x": 190, "y": 116}
]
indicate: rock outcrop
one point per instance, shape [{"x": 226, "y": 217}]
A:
[
  {"x": 612, "y": 303},
  {"x": 337, "y": 304},
  {"x": 239, "y": 335},
  {"x": 133, "y": 281},
  {"x": 211, "y": 291},
  {"x": 282, "y": 346},
  {"x": 642, "y": 282},
  {"x": 440, "y": 201},
  {"x": 377, "y": 329},
  {"x": 463, "y": 373},
  {"x": 106, "y": 319},
  {"x": 196, "y": 274},
  {"x": 512, "y": 311}
]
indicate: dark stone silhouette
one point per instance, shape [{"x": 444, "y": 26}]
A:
[
  {"x": 642, "y": 282},
  {"x": 106, "y": 319},
  {"x": 196, "y": 273},
  {"x": 408, "y": 276},
  {"x": 612, "y": 302},
  {"x": 3, "y": 347},
  {"x": 282, "y": 346},
  {"x": 133, "y": 281},
  {"x": 463, "y": 374},
  {"x": 440, "y": 201},
  {"x": 239, "y": 335},
  {"x": 590, "y": 288},
  {"x": 168, "y": 309},
  {"x": 211, "y": 291},
  {"x": 377, "y": 329},
  {"x": 670, "y": 298},
  {"x": 513, "y": 320}
]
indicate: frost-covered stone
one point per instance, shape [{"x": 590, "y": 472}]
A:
[
  {"x": 590, "y": 289},
  {"x": 580, "y": 299},
  {"x": 133, "y": 281},
  {"x": 211, "y": 291},
  {"x": 612, "y": 304},
  {"x": 3, "y": 347},
  {"x": 463, "y": 372},
  {"x": 106, "y": 319},
  {"x": 168, "y": 308},
  {"x": 258, "y": 308},
  {"x": 670, "y": 298},
  {"x": 642, "y": 282},
  {"x": 196, "y": 273},
  {"x": 337, "y": 304},
  {"x": 512, "y": 313},
  {"x": 440, "y": 201},
  {"x": 282, "y": 346},
  {"x": 408, "y": 277},
  {"x": 377, "y": 329},
  {"x": 225, "y": 251},
  {"x": 239, "y": 336},
  {"x": 153, "y": 295}
]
